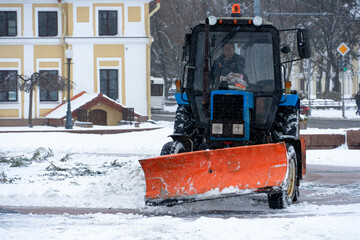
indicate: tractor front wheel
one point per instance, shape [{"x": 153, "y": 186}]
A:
[
  {"x": 172, "y": 147},
  {"x": 288, "y": 194}
]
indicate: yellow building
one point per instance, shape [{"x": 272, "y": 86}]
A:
[{"x": 109, "y": 40}]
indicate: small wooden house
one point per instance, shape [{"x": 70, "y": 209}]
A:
[{"x": 96, "y": 109}]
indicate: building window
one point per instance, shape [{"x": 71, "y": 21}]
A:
[
  {"x": 48, "y": 24},
  {"x": 157, "y": 89},
  {"x": 109, "y": 83},
  {"x": 49, "y": 95},
  {"x": 108, "y": 23},
  {"x": 8, "y": 86},
  {"x": 8, "y": 23}
]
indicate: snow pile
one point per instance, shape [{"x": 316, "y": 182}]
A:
[{"x": 102, "y": 170}]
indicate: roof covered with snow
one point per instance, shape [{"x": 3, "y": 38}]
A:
[{"x": 83, "y": 100}]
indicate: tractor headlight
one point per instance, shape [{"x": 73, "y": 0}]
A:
[
  {"x": 212, "y": 20},
  {"x": 257, "y": 21},
  {"x": 238, "y": 129},
  {"x": 217, "y": 128}
]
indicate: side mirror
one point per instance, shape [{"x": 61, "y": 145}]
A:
[
  {"x": 303, "y": 43},
  {"x": 186, "y": 48}
]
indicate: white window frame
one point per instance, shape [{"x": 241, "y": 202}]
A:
[
  {"x": 48, "y": 9},
  {"x": 18, "y": 19},
  {"x": 110, "y": 67},
  {"x": 60, "y": 94},
  {"x": 18, "y": 69},
  {"x": 119, "y": 20}
]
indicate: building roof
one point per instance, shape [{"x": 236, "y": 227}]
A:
[{"x": 84, "y": 100}]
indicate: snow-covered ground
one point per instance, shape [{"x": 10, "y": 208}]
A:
[
  {"x": 102, "y": 171},
  {"x": 332, "y": 113},
  {"x": 327, "y": 222}
]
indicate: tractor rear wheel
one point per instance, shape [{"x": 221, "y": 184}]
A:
[
  {"x": 172, "y": 147},
  {"x": 291, "y": 125},
  {"x": 282, "y": 199},
  {"x": 286, "y": 123}
]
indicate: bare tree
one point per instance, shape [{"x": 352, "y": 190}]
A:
[
  {"x": 44, "y": 80},
  {"x": 327, "y": 34},
  {"x": 169, "y": 26},
  {"x": 330, "y": 22}
]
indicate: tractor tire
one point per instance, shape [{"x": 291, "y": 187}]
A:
[
  {"x": 184, "y": 121},
  {"x": 173, "y": 147},
  {"x": 286, "y": 123},
  {"x": 185, "y": 125},
  {"x": 289, "y": 193},
  {"x": 291, "y": 126}
]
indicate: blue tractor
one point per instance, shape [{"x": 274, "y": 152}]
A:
[{"x": 235, "y": 115}]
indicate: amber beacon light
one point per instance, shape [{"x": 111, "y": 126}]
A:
[{"x": 236, "y": 12}]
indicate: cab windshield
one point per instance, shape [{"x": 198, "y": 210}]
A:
[{"x": 239, "y": 61}]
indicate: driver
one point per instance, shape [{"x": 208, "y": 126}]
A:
[{"x": 228, "y": 67}]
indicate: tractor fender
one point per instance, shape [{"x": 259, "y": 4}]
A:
[
  {"x": 185, "y": 140},
  {"x": 290, "y": 100},
  {"x": 299, "y": 145},
  {"x": 181, "y": 99}
]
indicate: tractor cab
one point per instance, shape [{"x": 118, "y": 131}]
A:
[{"x": 244, "y": 63}]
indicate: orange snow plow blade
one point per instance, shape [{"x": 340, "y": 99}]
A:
[{"x": 214, "y": 173}]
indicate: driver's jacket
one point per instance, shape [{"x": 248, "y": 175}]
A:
[{"x": 223, "y": 67}]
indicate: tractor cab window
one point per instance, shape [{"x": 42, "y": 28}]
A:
[{"x": 239, "y": 61}]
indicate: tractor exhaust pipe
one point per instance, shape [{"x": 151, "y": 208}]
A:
[{"x": 206, "y": 72}]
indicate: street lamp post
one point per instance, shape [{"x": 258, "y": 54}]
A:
[{"x": 68, "y": 124}]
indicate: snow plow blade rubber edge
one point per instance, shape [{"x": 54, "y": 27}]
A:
[{"x": 212, "y": 174}]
